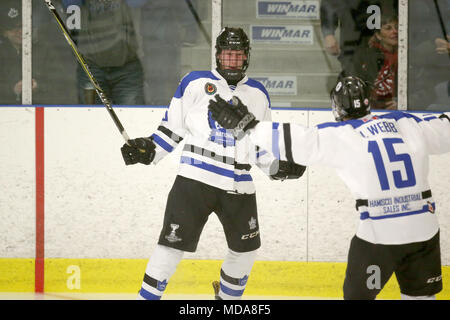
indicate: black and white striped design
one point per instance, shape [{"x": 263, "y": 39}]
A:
[
  {"x": 231, "y": 288},
  {"x": 211, "y": 154},
  {"x": 152, "y": 289}
]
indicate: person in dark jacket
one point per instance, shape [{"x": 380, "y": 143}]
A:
[
  {"x": 166, "y": 27},
  {"x": 50, "y": 83},
  {"x": 107, "y": 39},
  {"x": 11, "y": 53},
  {"x": 429, "y": 55},
  {"x": 377, "y": 64},
  {"x": 351, "y": 16}
]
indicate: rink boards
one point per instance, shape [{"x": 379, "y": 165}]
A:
[{"x": 101, "y": 216}]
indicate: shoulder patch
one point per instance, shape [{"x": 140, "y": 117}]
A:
[{"x": 210, "y": 88}]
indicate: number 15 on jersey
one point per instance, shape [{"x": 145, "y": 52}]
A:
[{"x": 383, "y": 169}]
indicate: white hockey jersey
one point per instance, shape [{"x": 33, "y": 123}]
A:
[
  {"x": 382, "y": 159},
  {"x": 211, "y": 154}
]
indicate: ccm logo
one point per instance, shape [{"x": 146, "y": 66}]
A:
[
  {"x": 250, "y": 235},
  {"x": 431, "y": 280}
]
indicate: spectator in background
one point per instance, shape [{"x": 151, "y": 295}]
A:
[
  {"x": 11, "y": 53},
  {"x": 377, "y": 64},
  {"x": 107, "y": 39},
  {"x": 166, "y": 26},
  {"x": 54, "y": 63},
  {"x": 351, "y": 16},
  {"x": 45, "y": 83},
  {"x": 428, "y": 55}
]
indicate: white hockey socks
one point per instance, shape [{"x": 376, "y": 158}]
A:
[
  {"x": 234, "y": 274},
  {"x": 160, "y": 267}
]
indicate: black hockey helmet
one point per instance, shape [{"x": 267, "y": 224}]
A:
[
  {"x": 232, "y": 39},
  {"x": 350, "y": 98}
]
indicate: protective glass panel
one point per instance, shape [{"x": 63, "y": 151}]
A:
[
  {"x": 137, "y": 50},
  {"x": 429, "y": 55},
  {"x": 11, "y": 52},
  {"x": 299, "y": 48}
]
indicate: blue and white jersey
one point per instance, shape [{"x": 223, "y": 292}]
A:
[
  {"x": 210, "y": 153},
  {"x": 382, "y": 159}
]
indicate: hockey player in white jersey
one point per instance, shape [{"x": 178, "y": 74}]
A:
[
  {"x": 213, "y": 175},
  {"x": 384, "y": 162}
]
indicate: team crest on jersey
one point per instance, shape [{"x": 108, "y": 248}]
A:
[
  {"x": 220, "y": 135},
  {"x": 210, "y": 88},
  {"x": 161, "y": 285},
  {"x": 243, "y": 281}
]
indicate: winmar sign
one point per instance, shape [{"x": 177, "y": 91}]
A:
[
  {"x": 279, "y": 85},
  {"x": 291, "y": 34},
  {"x": 288, "y": 9}
]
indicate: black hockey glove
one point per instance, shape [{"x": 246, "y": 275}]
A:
[
  {"x": 235, "y": 116},
  {"x": 140, "y": 150},
  {"x": 288, "y": 170},
  {"x": 444, "y": 116}
]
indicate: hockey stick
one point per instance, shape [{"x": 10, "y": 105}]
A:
[
  {"x": 105, "y": 100},
  {"x": 199, "y": 22},
  {"x": 440, "y": 19},
  {"x": 444, "y": 31}
]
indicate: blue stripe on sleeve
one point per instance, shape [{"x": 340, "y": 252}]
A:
[
  {"x": 260, "y": 154},
  {"x": 163, "y": 144},
  {"x": 397, "y": 115},
  {"x": 242, "y": 177},
  {"x": 354, "y": 123},
  {"x": 256, "y": 84}
]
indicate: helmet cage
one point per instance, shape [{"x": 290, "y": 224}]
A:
[{"x": 232, "y": 39}]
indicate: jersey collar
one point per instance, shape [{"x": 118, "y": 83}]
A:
[{"x": 218, "y": 75}]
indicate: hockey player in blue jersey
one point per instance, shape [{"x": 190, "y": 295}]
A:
[
  {"x": 384, "y": 162},
  {"x": 214, "y": 171}
]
